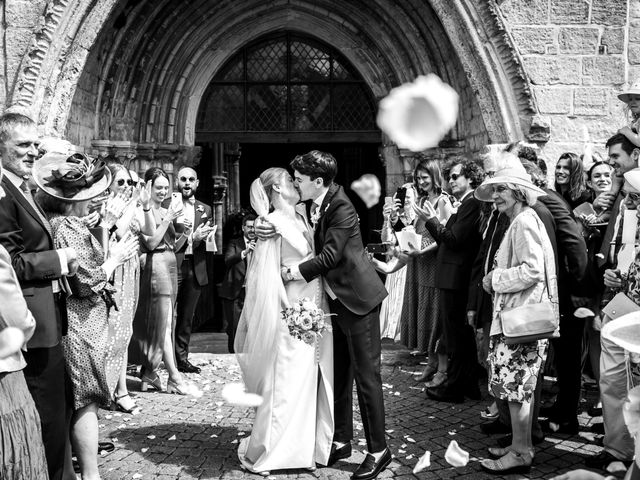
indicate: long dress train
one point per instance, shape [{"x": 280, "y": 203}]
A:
[{"x": 293, "y": 427}]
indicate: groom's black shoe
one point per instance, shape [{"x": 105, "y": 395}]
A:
[
  {"x": 338, "y": 453},
  {"x": 370, "y": 469},
  {"x": 188, "y": 367}
]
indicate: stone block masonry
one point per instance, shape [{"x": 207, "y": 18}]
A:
[{"x": 578, "y": 55}]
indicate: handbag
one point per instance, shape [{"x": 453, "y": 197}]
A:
[
  {"x": 531, "y": 322},
  {"x": 619, "y": 305}
]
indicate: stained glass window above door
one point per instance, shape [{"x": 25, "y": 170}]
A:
[{"x": 287, "y": 83}]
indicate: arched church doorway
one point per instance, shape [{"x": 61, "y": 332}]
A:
[{"x": 279, "y": 96}]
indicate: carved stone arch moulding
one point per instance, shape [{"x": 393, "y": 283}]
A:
[{"x": 51, "y": 68}]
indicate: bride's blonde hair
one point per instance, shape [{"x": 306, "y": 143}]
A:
[{"x": 270, "y": 177}]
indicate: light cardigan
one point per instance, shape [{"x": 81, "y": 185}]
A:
[{"x": 519, "y": 273}]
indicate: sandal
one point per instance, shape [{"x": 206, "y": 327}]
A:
[
  {"x": 512, "y": 462},
  {"x": 427, "y": 373},
  {"x": 438, "y": 379},
  {"x": 491, "y": 412},
  {"x": 124, "y": 403}
]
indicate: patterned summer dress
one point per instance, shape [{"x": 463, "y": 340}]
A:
[{"x": 89, "y": 341}]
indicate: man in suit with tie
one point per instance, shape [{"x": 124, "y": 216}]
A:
[
  {"x": 232, "y": 289},
  {"x": 191, "y": 258},
  {"x": 458, "y": 244},
  {"x": 26, "y": 234}
]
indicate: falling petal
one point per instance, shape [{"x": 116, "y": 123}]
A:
[
  {"x": 144, "y": 449},
  {"x": 423, "y": 462},
  {"x": 455, "y": 456},
  {"x": 235, "y": 394}
]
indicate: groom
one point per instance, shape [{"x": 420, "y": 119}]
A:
[{"x": 355, "y": 293}]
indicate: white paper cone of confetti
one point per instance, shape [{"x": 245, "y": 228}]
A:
[{"x": 455, "y": 456}]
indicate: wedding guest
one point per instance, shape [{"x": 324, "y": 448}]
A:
[
  {"x": 232, "y": 290},
  {"x": 458, "y": 244},
  {"x": 25, "y": 233},
  {"x": 570, "y": 182},
  {"x": 631, "y": 98},
  {"x": 524, "y": 267},
  {"x": 618, "y": 444},
  {"x": 191, "y": 258},
  {"x": 152, "y": 340},
  {"x": 420, "y": 322},
  {"x": 137, "y": 219},
  {"x": 22, "y": 456},
  {"x": 67, "y": 184}
]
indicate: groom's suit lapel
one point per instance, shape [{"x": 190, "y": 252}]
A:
[{"x": 333, "y": 189}]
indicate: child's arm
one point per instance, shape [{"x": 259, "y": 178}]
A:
[{"x": 631, "y": 135}]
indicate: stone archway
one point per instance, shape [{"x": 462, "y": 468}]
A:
[{"x": 134, "y": 72}]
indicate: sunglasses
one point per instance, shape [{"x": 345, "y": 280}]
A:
[
  {"x": 121, "y": 181},
  {"x": 455, "y": 176},
  {"x": 634, "y": 197},
  {"x": 191, "y": 179},
  {"x": 499, "y": 189}
]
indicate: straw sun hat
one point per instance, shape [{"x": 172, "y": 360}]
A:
[
  {"x": 512, "y": 173},
  {"x": 74, "y": 178},
  {"x": 632, "y": 90}
]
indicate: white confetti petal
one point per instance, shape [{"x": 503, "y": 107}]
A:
[
  {"x": 144, "y": 449},
  {"x": 401, "y": 451},
  {"x": 410, "y": 456},
  {"x": 423, "y": 463},
  {"x": 172, "y": 437},
  {"x": 151, "y": 437},
  {"x": 137, "y": 475},
  {"x": 409, "y": 439},
  {"x": 235, "y": 394},
  {"x": 455, "y": 456}
]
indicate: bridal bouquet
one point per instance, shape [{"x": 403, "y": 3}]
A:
[{"x": 305, "y": 320}]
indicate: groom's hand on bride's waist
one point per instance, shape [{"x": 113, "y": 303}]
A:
[{"x": 265, "y": 229}]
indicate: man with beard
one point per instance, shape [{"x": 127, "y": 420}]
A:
[{"x": 192, "y": 264}]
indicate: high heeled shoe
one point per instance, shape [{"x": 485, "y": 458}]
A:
[
  {"x": 511, "y": 462},
  {"x": 153, "y": 382},
  {"x": 438, "y": 379},
  {"x": 183, "y": 388},
  {"x": 428, "y": 373},
  {"x": 121, "y": 403}
]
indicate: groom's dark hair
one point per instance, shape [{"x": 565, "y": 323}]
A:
[{"x": 316, "y": 164}]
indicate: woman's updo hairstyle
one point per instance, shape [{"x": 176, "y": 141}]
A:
[
  {"x": 153, "y": 173},
  {"x": 269, "y": 178}
]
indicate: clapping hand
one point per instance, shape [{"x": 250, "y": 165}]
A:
[
  {"x": 91, "y": 220},
  {"x": 144, "y": 195},
  {"x": 202, "y": 232},
  {"x": 125, "y": 249},
  {"x": 413, "y": 251},
  {"x": 604, "y": 201},
  {"x": 425, "y": 213},
  {"x": 114, "y": 207}
]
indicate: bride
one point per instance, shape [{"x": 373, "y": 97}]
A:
[{"x": 293, "y": 427}]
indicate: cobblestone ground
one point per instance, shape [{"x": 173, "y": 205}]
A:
[{"x": 182, "y": 437}]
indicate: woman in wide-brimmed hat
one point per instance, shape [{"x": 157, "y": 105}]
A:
[
  {"x": 67, "y": 185},
  {"x": 523, "y": 272}
]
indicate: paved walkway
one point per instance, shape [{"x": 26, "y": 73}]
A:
[{"x": 180, "y": 437}]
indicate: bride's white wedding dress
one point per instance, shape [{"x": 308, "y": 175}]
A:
[{"x": 293, "y": 428}]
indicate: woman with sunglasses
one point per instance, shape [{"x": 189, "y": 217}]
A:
[{"x": 137, "y": 219}]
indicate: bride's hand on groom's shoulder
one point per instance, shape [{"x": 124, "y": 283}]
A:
[{"x": 265, "y": 229}]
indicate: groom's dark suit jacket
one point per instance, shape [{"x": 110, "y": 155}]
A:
[{"x": 340, "y": 255}]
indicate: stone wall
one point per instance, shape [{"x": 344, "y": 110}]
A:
[{"x": 577, "y": 55}]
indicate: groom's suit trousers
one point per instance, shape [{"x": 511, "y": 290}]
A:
[{"x": 356, "y": 350}]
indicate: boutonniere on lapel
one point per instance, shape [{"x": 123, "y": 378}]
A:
[
  {"x": 315, "y": 216},
  {"x": 200, "y": 209}
]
